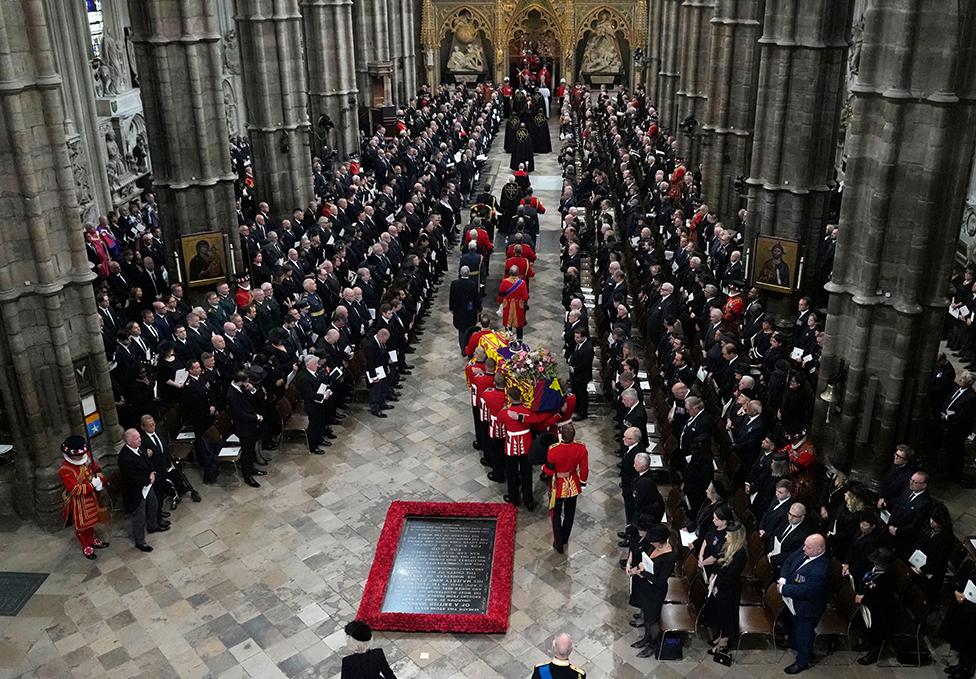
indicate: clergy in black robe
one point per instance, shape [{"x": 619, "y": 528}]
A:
[
  {"x": 511, "y": 195},
  {"x": 539, "y": 127},
  {"x": 511, "y": 127},
  {"x": 522, "y": 151}
]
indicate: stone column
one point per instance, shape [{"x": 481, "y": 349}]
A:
[
  {"x": 801, "y": 74},
  {"x": 655, "y": 39},
  {"x": 407, "y": 23},
  {"x": 330, "y": 51},
  {"x": 695, "y": 40},
  {"x": 731, "y": 107},
  {"x": 51, "y": 353},
  {"x": 669, "y": 77},
  {"x": 273, "y": 68},
  {"x": 909, "y": 149},
  {"x": 374, "y": 67},
  {"x": 69, "y": 25},
  {"x": 178, "y": 50}
]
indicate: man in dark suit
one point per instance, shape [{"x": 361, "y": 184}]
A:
[
  {"x": 748, "y": 436},
  {"x": 775, "y": 518},
  {"x": 804, "y": 582},
  {"x": 695, "y": 453},
  {"x": 647, "y": 497},
  {"x": 581, "y": 372},
  {"x": 666, "y": 307},
  {"x": 198, "y": 409},
  {"x": 246, "y": 425},
  {"x": 629, "y": 450},
  {"x": 377, "y": 372},
  {"x": 138, "y": 498},
  {"x": 910, "y": 513},
  {"x": 894, "y": 482},
  {"x": 464, "y": 303},
  {"x": 633, "y": 413},
  {"x": 162, "y": 463},
  {"x": 958, "y": 414},
  {"x": 315, "y": 405},
  {"x": 790, "y": 538}
]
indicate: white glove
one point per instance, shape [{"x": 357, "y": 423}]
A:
[{"x": 97, "y": 483}]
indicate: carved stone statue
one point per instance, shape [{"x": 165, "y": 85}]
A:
[
  {"x": 117, "y": 60},
  {"x": 468, "y": 58},
  {"x": 79, "y": 168},
  {"x": 231, "y": 55},
  {"x": 230, "y": 108},
  {"x": 857, "y": 41},
  {"x": 114, "y": 164},
  {"x": 602, "y": 53},
  {"x": 467, "y": 53},
  {"x": 105, "y": 86}
]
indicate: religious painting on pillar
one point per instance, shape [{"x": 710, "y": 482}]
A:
[
  {"x": 601, "y": 49},
  {"x": 204, "y": 258},
  {"x": 466, "y": 49},
  {"x": 534, "y": 49},
  {"x": 775, "y": 264}
]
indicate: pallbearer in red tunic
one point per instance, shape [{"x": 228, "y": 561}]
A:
[
  {"x": 568, "y": 462},
  {"x": 513, "y": 296},
  {"x": 471, "y": 370},
  {"x": 82, "y": 479},
  {"x": 493, "y": 401},
  {"x": 518, "y": 420},
  {"x": 478, "y": 385}
]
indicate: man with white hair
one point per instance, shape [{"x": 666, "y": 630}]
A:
[{"x": 559, "y": 667}]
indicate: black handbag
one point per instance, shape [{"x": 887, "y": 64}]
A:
[{"x": 722, "y": 658}]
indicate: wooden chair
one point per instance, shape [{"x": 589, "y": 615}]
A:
[
  {"x": 739, "y": 502},
  {"x": 675, "y": 499},
  {"x": 912, "y": 625},
  {"x": 757, "y": 621},
  {"x": 684, "y": 618},
  {"x": 679, "y": 586},
  {"x": 839, "y": 615},
  {"x": 754, "y": 589}
]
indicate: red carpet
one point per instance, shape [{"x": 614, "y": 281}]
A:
[{"x": 495, "y": 621}]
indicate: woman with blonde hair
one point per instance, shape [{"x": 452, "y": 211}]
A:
[{"x": 725, "y": 587}]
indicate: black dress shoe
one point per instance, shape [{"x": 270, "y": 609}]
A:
[
  {"x": 380, "y": 415},
  {"x": 623, "y": 563},
  {"x": 317, "y": 451},
  {"x": 497, "y": 479},
  {"x": 559, "y": 548},
  {"x": 270, "y": 446},
  {"x": 165, "y": 515},
  {"x": 252, "y": 483},
  {"x": 796, "y": 669},
  {"x": 387, "y": 407},
  {"x": 623, "y": 543},
  {"x": 339, "y": 417},
  {"x": 868, "y": 658},
  {"x": 531, "y": 505},
  {"x": 331, "y": 436},
  {"x": 102, "y": 544},
  {"x": 161, "y": 529},
  {"x": 395, "y": 399},
  {"x": 91, "y": 556},
  {"x": 648, "y": 651},
  {"x": 261, "y": 462},
  {"x": 164, "y": 524},
  {"x": 642, "y": 642},
  {"x": 195, "y": 496},
  {"x": 636, "y": 623},
  {"x": 144, "y": 548},
  {"x": 622, "y": 534},
  {"x": 476, "y": 445},
  {"x": 485, "y": 461},
  {"x": 260, "y": 472},
  {"x": 509, "y": 500}
]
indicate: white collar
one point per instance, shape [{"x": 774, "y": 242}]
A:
[{"x": 83, "y": 460}]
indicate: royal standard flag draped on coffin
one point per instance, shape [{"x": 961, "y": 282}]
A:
[{"x": 532, "y": 372}]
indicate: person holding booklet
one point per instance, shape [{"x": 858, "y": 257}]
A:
[
  {"x": 650, "y": 566},
  {"x": 959, "y": 628},
  {"x": 928, "y": 553},
  {"x": 725, "y": 588},
  {"x": 878, "y": 604},
  {"x": 803, "y": 584},
  {"x": 377, "y": 371}
]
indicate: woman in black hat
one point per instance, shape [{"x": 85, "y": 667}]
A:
[
  {"x": 857, "y": 561},
  {"x": 650, "y": 588},
  {"x": 878, "y": 599},
  {"x": 364, "y": 662},
  {"x": 935, "y": 542},
  {"x": 725, "y": 587}
]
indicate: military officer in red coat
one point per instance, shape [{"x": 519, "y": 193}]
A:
[
  {"x": 82, "y": 479},
  {"x": 568, "y": 463},
  {"x": 518, "y": 420}
]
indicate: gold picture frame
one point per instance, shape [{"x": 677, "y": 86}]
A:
[
  {"x": 775, "y": 264},
  {"x": 204, "y": 258}
]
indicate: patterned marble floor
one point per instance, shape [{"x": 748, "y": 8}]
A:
[{"x": 260, "y": 583}]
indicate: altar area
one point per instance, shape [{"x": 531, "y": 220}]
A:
[{"x": 581, "y": 41}]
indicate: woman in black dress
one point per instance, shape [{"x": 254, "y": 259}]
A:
[
  {"x": 711, "y": 547},
  {"x": 959, "y": 629},
  {"x": 936, "y": 544},
  {"x": 715, "y": 493},
  {"x": 166, "y": 368},
  {"x": 725, "y": 587},
  {"x": 879, "y": 598},
  {"x": 651, "y": 589},
  {"x": 364, "y": 662}
]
